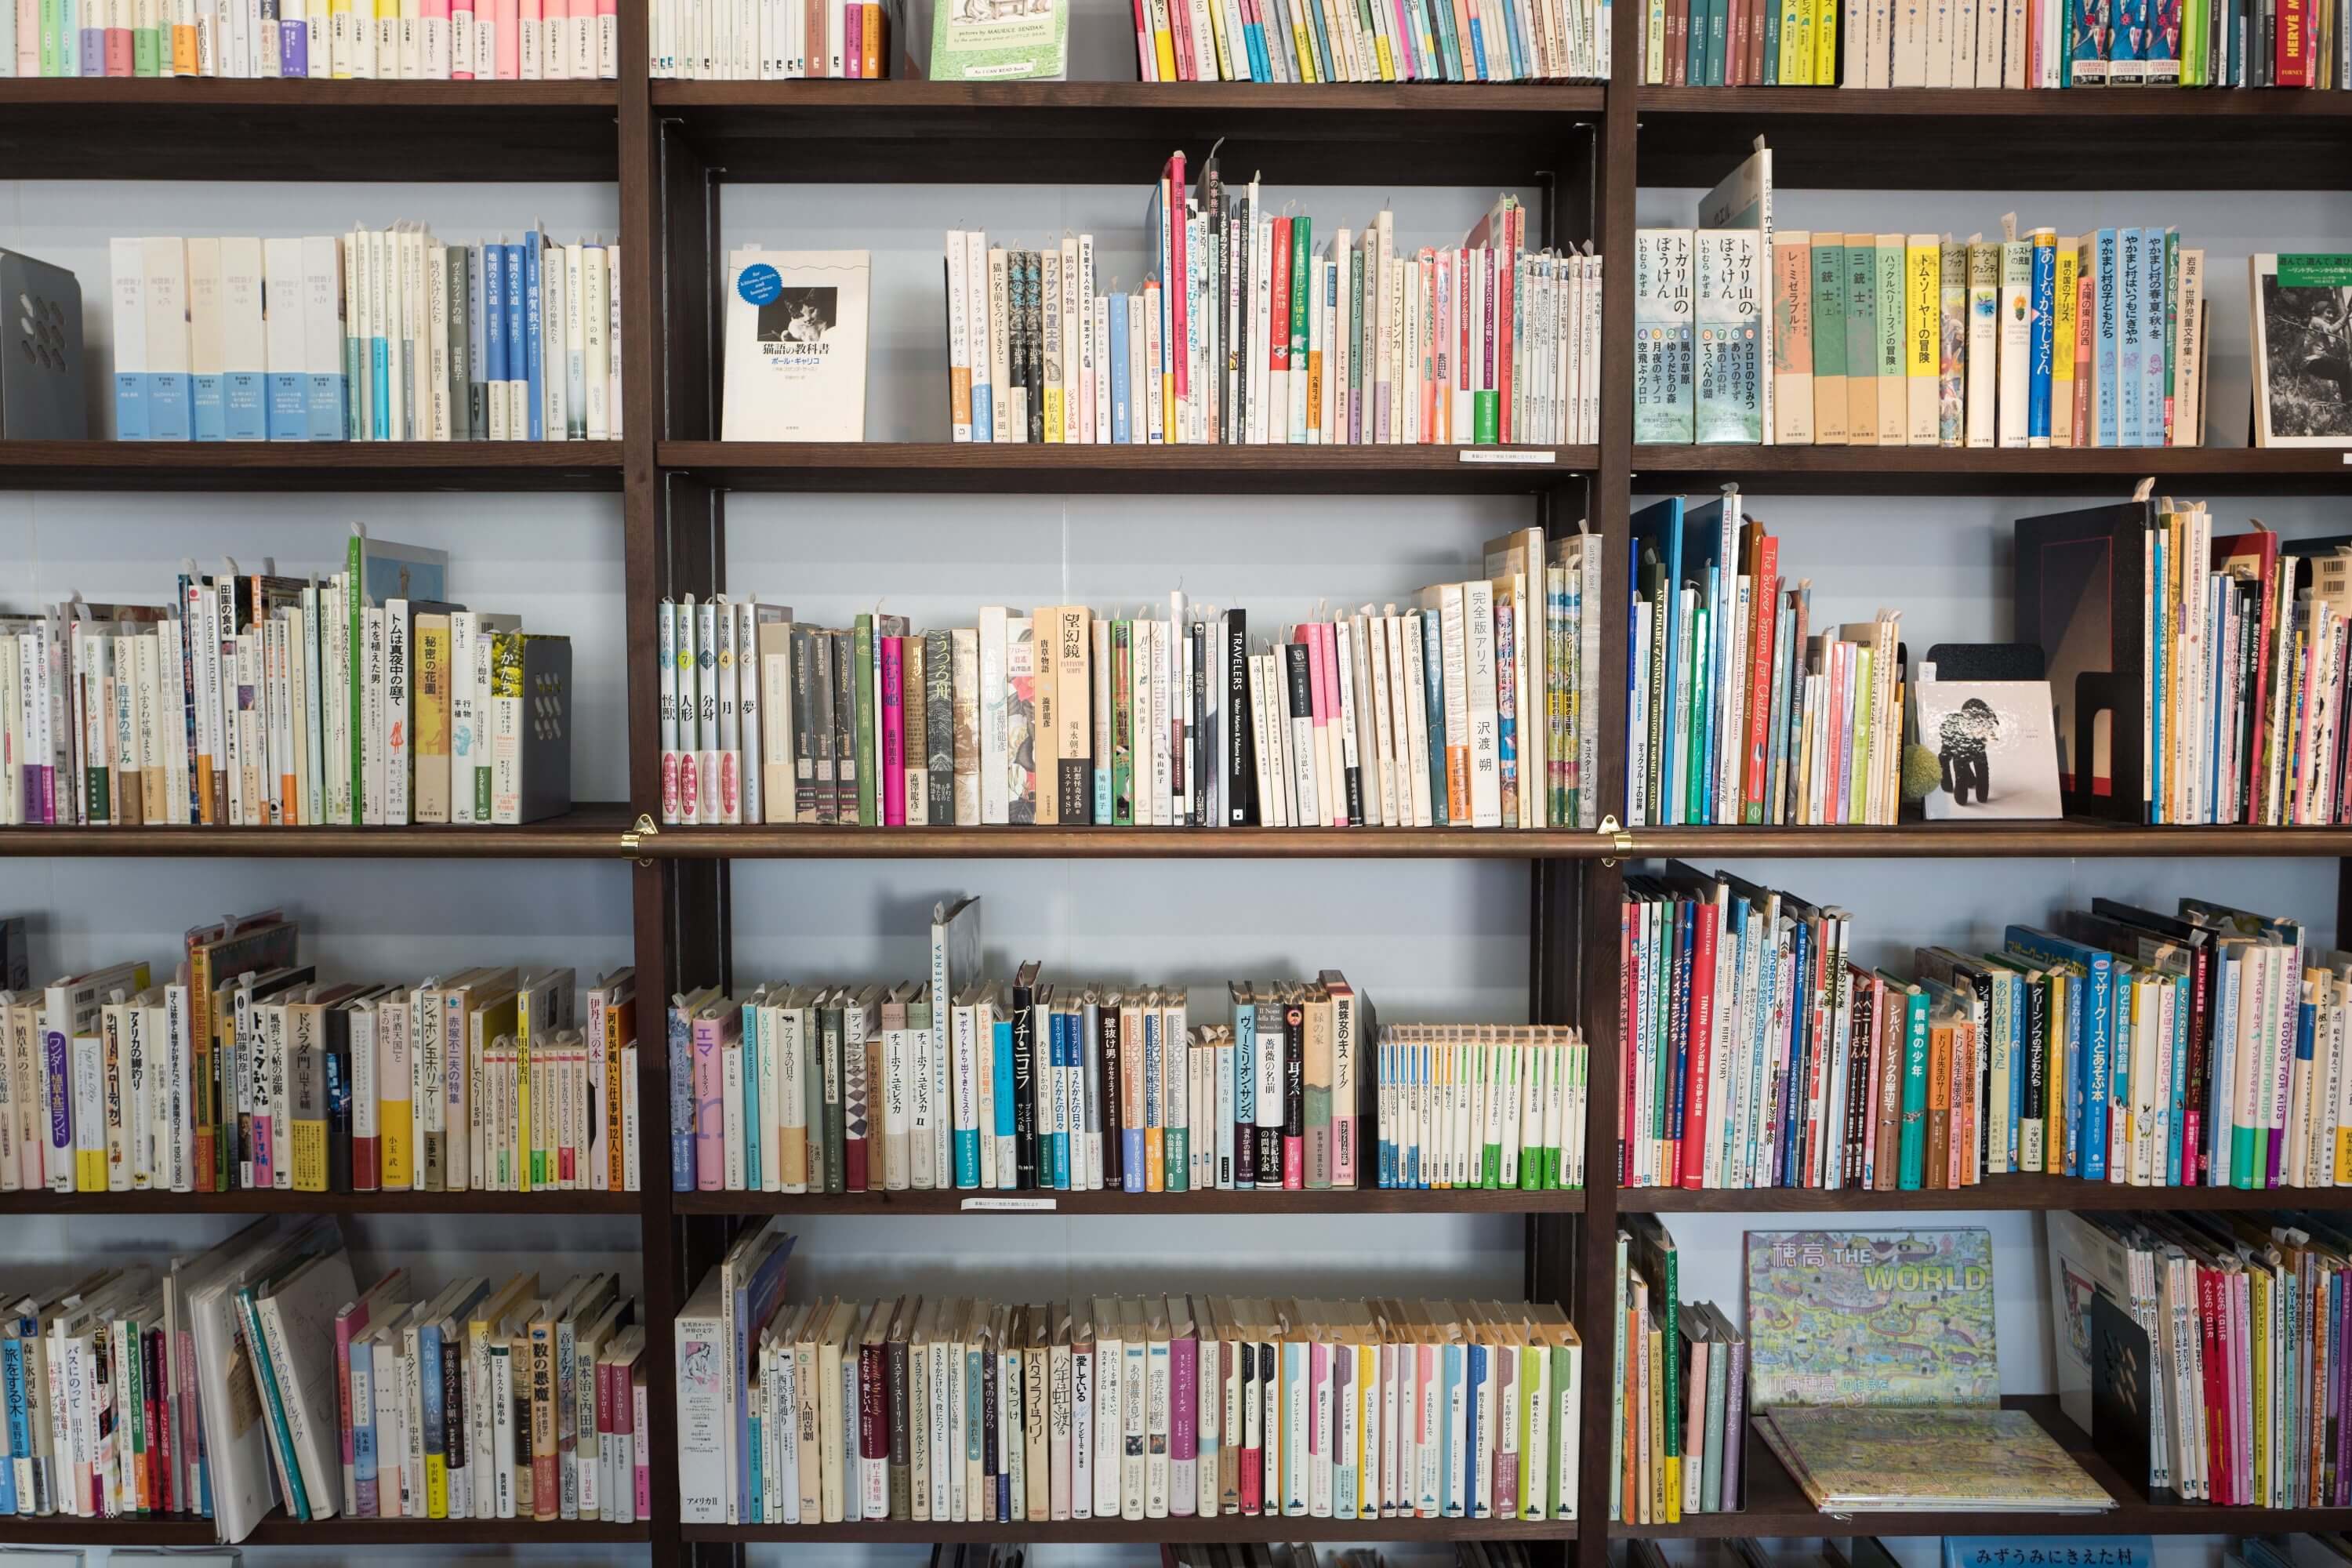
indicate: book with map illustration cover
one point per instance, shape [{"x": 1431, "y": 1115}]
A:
[
  {"x": 1882, "y": 1460},
  {"x": 1872, "y": 1317}
]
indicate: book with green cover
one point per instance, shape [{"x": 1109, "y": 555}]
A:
[
  {"x": 999, "y": 40},
  {"x": 1872, "y": 1318},
  {"x": 1880, "y": 1460}
]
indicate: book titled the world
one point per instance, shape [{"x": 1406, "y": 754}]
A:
[
  {"x": 1872, "y": 1317},
  {"x": 1882, "y": 1460}
]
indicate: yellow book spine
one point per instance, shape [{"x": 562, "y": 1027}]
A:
[
  {"x": 90, "y": 1169},
  {"x": 310, "y": 1156},
  {"x": 1164, "y": 41},
  {"x": 437, "y": 1487},
  {"x": 2061, "y": 346},
  {"x": 1923, "y": 278},
  {"x": 1825, "y": 42},
  {"x": 1053, "y": 415},
  {"x": 1796, "y": 61}
]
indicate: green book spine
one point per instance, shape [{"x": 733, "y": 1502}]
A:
[
  {"x": 1914, "y": 1091},
  {"x": 1302, "y": 268},
  {"x": 2172, "y": 330},
  {"x": 1711, "y": 1499},
  {"x": 861, "y": 689},
  {"x": 1490, "y": 1161}
]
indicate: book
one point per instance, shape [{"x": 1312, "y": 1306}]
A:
[
  {"x": 1025, "y": 42},
  {"x": 1840, "y": 1319},
  {"x": 795, "y": 345},
  {"x": 2300, "y": 400},
  {"x": 1874, "y": 1460}
]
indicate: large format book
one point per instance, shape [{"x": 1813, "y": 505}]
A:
[
  {"x": 2303, "y": 354},
  {"x": 999, "y": 40},
  {"x": 1875, "y": 1318},
  {"x": 1971, "y": 1460},
  {"x": 795, "y": 353}
]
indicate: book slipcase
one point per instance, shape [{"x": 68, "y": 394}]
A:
[{"x": 673, "y": 146}]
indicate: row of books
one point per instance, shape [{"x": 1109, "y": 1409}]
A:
[
  {"x": 1487, "y": 1106},
  {"x": 1712, "y": 1365},
  {"x": 488, "y": 1400},
  {"x": 2233, "y": 1319},
  {"x": 248, "y": 1073},
  {"x": 365, "y": 698},
  {"x": 1465, "y": 712},
  {"x": 1741, "y": 713},
  {"x": 508, "y": 40},
  {"x": 774, "y": 40},
  {"x": 957, "y": 1410},
  {"x": 376, "y": 335},
  {"x": 2028, "y": 341},
  {"x": 1373, "y": 40},
  {"x": 1243, "y": 332}
]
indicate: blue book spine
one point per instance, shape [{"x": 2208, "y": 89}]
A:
[
  {"x": 758, "y": 1494},
  {"x": 1474, "y": 1387},
  {"x": 355, "y": 371},
  {"x": 2176, "y": 1121},
  {"x": 380, "y": 373},
  {"x": 428, "y": 1376},
  {"x": 2091, "y": 1032},
  {"x": 2154, "y": 366},
  {"x": 2104, "y": 305},
  {"x": 1058, "y": 1036},
  {"x": 1449, "y": 1461},
  {"x": 130, "y": 405},
  {"x": 1261, "y": 68},
  {"x": 510, "y": 315},
  {"x": 2120, "y": 1033},
  {"x": 1119, "y": 371},
  {"x": 289, "y": 406},
  {"x": 1003, "y": 1050},
  {"x": 494, "y": 308},
  {"x": 89, "y": 42},
  {"x": 754, "y": 1046},
  {"x": 2042, "y": 337},
  {"x": 208, "y": 407},
  {"x": 2131, "y": 327},
  {"x": 1771, "y": 45},
  {"x": 363, "y": 1464},
  {"x": 168, "y": 402},
  {"x": 12, "y": 1386},
  {"x": 534, "y": 338},
  {"x": 681, "y": 1103}
]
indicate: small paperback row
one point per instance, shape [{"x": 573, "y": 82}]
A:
[
  {"x": 1243, "y": 332},
  {"x": 364, "y": 698},
  {"x": 443, "y": 40},
  {"x": 953, "y": 1410},
  {"x": 1487, "y": 1106},
  {"x": 246, "y": 1073},
  {"x": 2204, "y": 1048},
  {"x": 2032, "y": 339},
  {"x": 1373, "y": 40},
  {"x": 1740, "y": 712},
  {"x": 375, "y": 335},
  {"x": 773, "y": 40},
  {"x": 1462, "y": 712},
  {"x": 2237, "y": 1323}
]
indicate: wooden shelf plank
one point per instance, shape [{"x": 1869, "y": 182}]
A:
[
  {"x": 967, "y": 468},
  {"x": 1945, "y": 471},
  {"x": 59, "y": 1530},
  {"x": 1119, "y": 132},
  {"x": 248, "y": 1203},
  {"x": 108, "y": 128},
  {"x": 1223, "y": 1527},
  {"x": 1137, "y": 1206},
  {"x": 1901, "y": 139},
  {"x": 590, "y": 830},
  {"x": 2000, "y": 1193},
  {"x": 173, "y": 466}
]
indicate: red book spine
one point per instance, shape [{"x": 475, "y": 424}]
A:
[
  {"x": 2293, "y": 43},
  {"x": 873, "y": 1404},
  {"x": 1277, "y": 334},
  {"x": 2217, "y": 1442},
  {"x": 1507, "y": 267},
  {"x": 1178, "y": 277},
  {"x": 1147, "y": 60},
  {"x": 1180, "y": 27},
  {"x": 1326, "y": 702},
  {"x": 853, "y": 39},
  {"x": 894, "y": 732},
  {"x": 1764, "y": 597},
  {"x": 1699, "y": 1041},
  {"x": 1629, "y": 964}
]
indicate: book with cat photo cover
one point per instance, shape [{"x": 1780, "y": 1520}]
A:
[
  {"x": 1884, "y": 1460},
  {"x": 795, "y": 345}
]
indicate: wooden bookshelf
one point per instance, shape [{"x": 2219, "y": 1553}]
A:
[
  {"x": 2007, "y": 471},
  {"x": 966, "y": 468},
  {"x": 175, "y": 466},
  {"x": 1138, "y": 1206},
  {"x": 590, "y": 830},
  {"x": 110, "y": 128},
  {"x": 1229, "y": 1526},
  {"x": 255, "y": 1203},
  {"x": 62, "y": 1530},
  {"x": 1994, "y": 1193}
]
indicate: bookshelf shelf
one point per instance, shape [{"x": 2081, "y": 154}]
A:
[
  {"x": 254, "y": 1203},
  {"x": 1138, "y": 1206},
  {"x": 590, "y": 830},
  {"x": 2070, "y": 839},
  {"x": 279, "y": 1531},
  {"x": 920, "y": 466},
  {"x": 1903, "y": 139},
  {"x": 475, "y": 466},
  {"x": 1778, "y": 1506},
  {"x": 1944, "y": 470},
  {"x": 110, "y": 128},
  {"x": 1229, "y": 1527},
  {"x": 1103, "y": 132},
  {"x": 2003, "y": 1193}
]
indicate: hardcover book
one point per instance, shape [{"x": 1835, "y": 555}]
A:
[
  {"x": 795, "y": 345},
  {"x": 1982, "y": 1460},
  {"x": 1877, "y": 1318},
  {"x": 2302, "y": 356},
  {"x": 1730, "y": 370},
  {"x": 999, "y": 40}
]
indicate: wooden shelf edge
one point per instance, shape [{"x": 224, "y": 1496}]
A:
[
  {"x": 2190, "y": 105},
  {"x": 280, "y": 1531},
  {"x": 1137, "y": 1206},
  {"x": 589, "y": 831},
  {"x": 473, "y": 466},
  {"x": 1021, "y": 468},
  {"x": 1224, "y": 1527},
  {"x": 265, "y": 93},
  {"x": 2020, "y": 1193},
  {"x": 249, "y": 1203},
  {"x": 1000, "y": 98}
]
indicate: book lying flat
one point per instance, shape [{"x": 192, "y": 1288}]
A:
[{"x": 1850, "y": 1459}]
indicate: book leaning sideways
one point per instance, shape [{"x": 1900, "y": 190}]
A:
[{"x": 795, "y": 345}]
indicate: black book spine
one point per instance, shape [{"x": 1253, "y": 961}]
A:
[
  {"x": 992, "y": 1462},
  {"x": 2197, "y": 1165},
  {"x": 901, "y": 1478},
  {"x": 1297, "y": 677},
  {"x": 1294, "y": 1090},
  {"x": 1272, "y": 1036},
  {"x": 1034, "y": 330},
  {"x": 1241, "y": 741},
  {"x": 452, "y": 1403},
  {"x": 1201, "y": 709},
  {"x": 1114, "y": 1161},
  {"x": 338, "y": 1057},
  {"x": 1024, "y": 1087},
  {"x": 1857, "y": 1096},
  {"x": 939, "y": 725}
]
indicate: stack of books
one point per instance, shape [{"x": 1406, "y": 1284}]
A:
[
  {"x": 953, "y": 1410},
  {"x": 445, "y": 40},
  {"x": 365, "y": 696},
  {"x": 493, "y": 1400},
  {"x": 1481, "y": 1106},
  {"x": 1243, "y": 332},
  {"x": 1374, "y": 40},
  {"x": 376, "y": 335},
  {"x": 702, "y": 40},
  {"x": 2203, "y": 1301},
  {"x": 1739, "y": 712},
  {"x": 1476, "y": 708},
  {"x": 247, "y": 1074}
]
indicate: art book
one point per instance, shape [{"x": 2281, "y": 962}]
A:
[
  {"x": 795, "y": 345},
  {"x": 1872, "y": 1317},
  {"x": 1876, "y": 1461},
  {"x": 2303, "y": 350}
]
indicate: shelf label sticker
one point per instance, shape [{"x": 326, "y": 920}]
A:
[
  {"x": 1508, "y": 455},
  {"x": 1009, "y": 1205}
]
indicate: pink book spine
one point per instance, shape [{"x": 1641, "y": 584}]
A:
[
  {"x": 1504, "y": 1495},
  {"x": 265, "y": 1165},
  {"x": 28, "y": 38},
  {"x": 1326, "y": 699},
  {"x": 605, "y": 1414},
  {"x": 894, "y": 732},
  {"x": 1183, "y": 1426},
  {"x": 350, "y": 1324},
  {"x": 710, "y": 1124},
  {"x": 117, "y": 52},
  {"x": 1322, "y": 1422},
  {"x": 643, "y": 1446},
  {"x": 1407, "y": 52},
  {"x": 1312, "y": 635},
  {"x": 853, "y": 50},
  {"x": 510, "y": 39}
]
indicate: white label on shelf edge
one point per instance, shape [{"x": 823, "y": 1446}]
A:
[
  {"x": 1521, "y": 455},
  {"x": 1009, "y": 1205}
]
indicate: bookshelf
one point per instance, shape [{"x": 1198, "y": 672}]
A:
[{"x": 673, "y": 149}]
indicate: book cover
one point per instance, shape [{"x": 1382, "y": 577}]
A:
[
  {"x": 1662, "y": 397},
  {"x": 795, "y": 354},
  {"x": 1877, "y": 1318},
  {"x": 1729, "y": 374},
  {"x": 1987, "y": 1461},
  {"x": 1001, "y": 40}
]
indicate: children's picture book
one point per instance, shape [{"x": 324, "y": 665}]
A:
[
  {"x": 1996, "y": 750},
  {"x": 999, "y": 40},
  {"x": 795, "y": 345},
  {"x": 1872, "y": 1317},
  {"x": 2303, "y": 350},
  {"x": 1877, "y": 1461},
  {"x": 2048, "y": 1552}
]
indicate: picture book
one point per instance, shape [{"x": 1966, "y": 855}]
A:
[{"x": 1865, "y": 1317}]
